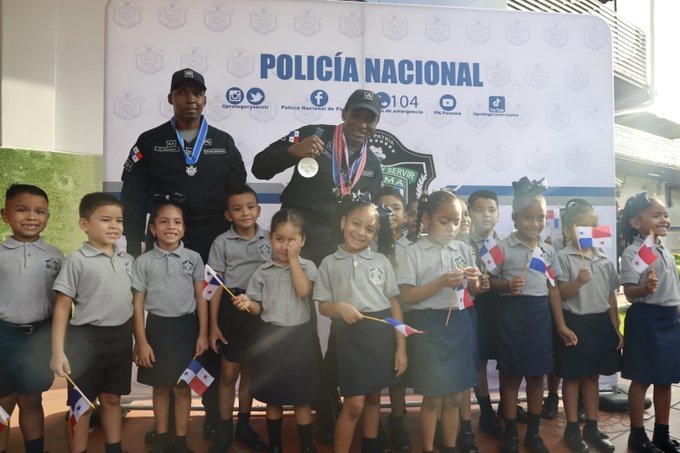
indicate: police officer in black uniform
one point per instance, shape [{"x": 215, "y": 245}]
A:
[{"x": 195, "y": 164}]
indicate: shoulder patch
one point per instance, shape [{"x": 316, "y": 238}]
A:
[{"x": 136, "y": 154}]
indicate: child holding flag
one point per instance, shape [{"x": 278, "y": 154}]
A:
[
  {"x": 28, "y": 267},
  {"x": 525, "y": 281},
  {"x": 353, "y": 284},
  {"x": 652, "y": 329},
  {"x": 167, "y": 283},
  {"x": 588, "y": 288},
  {"x": 436, "y": 274}
]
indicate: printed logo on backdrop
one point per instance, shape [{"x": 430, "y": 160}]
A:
[
  {"x": 394, "y": 118},
  {"x": 308, "y": 23},
  {"x": 217, "y": 17},
  {"x": 577, "y": 161},
  {"x": 239, "y": 63},
  {"x": 263, "y": 20},
  {"x": 149, "y": 59},
  {"x": 537, "y": 76},
  {"x": 214, "y": 109},
  {"x": 556, "y": 35},
  {"x": 127, "y": 105},
  {"x": 517, "y": 33},
  {"x": 476, "y": 117},
  {"x": 126, "y": 13},
  {"x": 194, "y": 57},
  {"x": 164, "y": 107},
  {"x": 498, "y": 74},
  {"x": 477, "y": 32},
  {"x": 437, "y": 30},
  {"x": 576, "y": 78},
  {"x": 538, "y": 160},
  {"x": 434, "y": 116},
  {"x": 408, "y": 172},
  {"x": 595, "y": 118},
  {"x": 557, "y": 117},
  {"x": 305, "y": 111},
  {"x": 521, "y": 117},
  {"x": 247, "y": 150},
  {"x": 498, "y": 158},
  {"x": 352, "y": 24},
  {"x": 264, "y": 113},
  {"x": 394, "y": 27},
  {"x": 595, "y": 38},
  {"x": 459, "y": 158},
  {"x": 172, "y": 16}
]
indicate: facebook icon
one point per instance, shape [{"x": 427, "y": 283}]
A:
[{"x": 319, "y": 98}]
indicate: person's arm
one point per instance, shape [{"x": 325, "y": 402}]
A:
[
  {"x": 415, "y": 294},
  {"x": 568, "y": 336},
  {"x": 134, "y": 196},
  {"x": 202, "y": 311},
  {"x": 400, "y": 359},
  {"x": 144, "y": 355},
  {"x": 347, "y": 312},
  {"x": 570, "y": 289},
  {"x": 303, "y": 286},
  {"x": 245, "y": 303},
  {"x": 614, "y": 316},
  {"x": 60, "y": 317},
  {"x": 633, "y": 291},
  {"x": 282, "y": 154},
  {"x": 215, "y": 332}
]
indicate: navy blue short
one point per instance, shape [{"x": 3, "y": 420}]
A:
[
  {"x": 239, "y": 329},
  {"x": 25, "y": 358}
]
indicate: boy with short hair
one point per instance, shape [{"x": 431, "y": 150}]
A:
[
  {"x": 94, "y": 297},
  {"x": 235, "y": 255},
  {"x": 28, "y": 267}
]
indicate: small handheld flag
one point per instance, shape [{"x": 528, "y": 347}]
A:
[
  {"x": 4, "y": 418},
  {"x": 552, "y": 218},
  {"x": 645, "y": 256},
  {"x": 491, "y": 253},
  {"x": 210, "y": 284},
  {"x": 536, "y": 263},
  {"x": 599, "y": 236},
  {"x": 78, "y": 405},
  {"x": 463, "y": 299},
  {"x": 197, "y": 377},
  {"x": 402, "y": 328}
]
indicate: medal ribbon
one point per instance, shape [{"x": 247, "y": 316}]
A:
[
  {"x": 340, "y": 149},
  {"x": 202, "y": 132}
]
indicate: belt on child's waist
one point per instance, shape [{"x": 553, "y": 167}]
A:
[{"x": 25, "y": 329}]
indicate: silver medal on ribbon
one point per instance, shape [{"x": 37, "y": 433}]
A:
[{"x": 308, "y": 167}]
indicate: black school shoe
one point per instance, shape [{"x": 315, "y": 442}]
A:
[
  {"x": 668, "y": 445},
  {"x": 598, "y": 440},
  {"x": 384, "y": 445},
  {"x": 491, "y": 425},
  {"x": 246, "y": 435},
  {"x": 465, "y": 443},
  {"x": 550, "y": 404},
  {"x": 398, "y": 435},
  {"x": 535, "y": 444},
  {"x": 575, "y": 443},
  {"x": 522, "y": 415},
  {"x": 646, "y": 447},
  {"x": 510, "y": 445},
  {"x": 223, "y": 440}
]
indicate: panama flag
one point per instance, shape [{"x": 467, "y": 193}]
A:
[
  {"x": 294, "y": 137},
  {"x": 552, "y": 218},
  {"x": 402, "y": 328},
  {"x": 491, "y": 253},
  {"x": 539, "y": 265},
  {"x": 197, "y": 377},
  {"x": 78, "y": 405},
  {"x": 136, "y": 154},
  {"x": 599, "y": 236},
  {"x": 211, "y": 282},
  {"x": 463, "y": 299},
  {"x": 4, "y": 417},
  {"x": 645, "y": 256}
]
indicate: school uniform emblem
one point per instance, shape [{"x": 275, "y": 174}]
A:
[
  {"x": 307, "y": 23},
  {"x": 149, "y": 59},
  {"x": 262, "y": 20},
  {"x": 128, "y": 269},
  {"x": 217, "y": 18},
  {"x": 458, "y": 263},
  {"x": 351, "y": 24},
  {"x": 264, "y": 250},
  {"x": 127, "y": 105},
  {"x": 376, "y": 275},
  {"x": 52, "y": 265},
  {"x": 188, "y": 266}
]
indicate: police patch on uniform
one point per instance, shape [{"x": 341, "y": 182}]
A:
[
  {"x": 264, "y": 250},
  {"x": 376, "y": 275},
  {"x": 188, "y": 265},
  {"x": 52, "y": 265},
  {"x": 459, "y": 263},
  {"x": 136, "y": 154},
  {"x": 128, "y": 164}
]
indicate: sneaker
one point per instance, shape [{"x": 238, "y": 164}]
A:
[
  {"x": 668, "y": 445},
  {"x": 398, "y": 436},
  {"x": 535, "y": 444},
  {"x": 246, "y": 435},
  {"x": 598, "y": 440},
  {"x": 490, "y": 424},
  {"x": 465, "y": 443},
  {"x": 550, "y": 407},
  {"x": 575, "y": 443}
]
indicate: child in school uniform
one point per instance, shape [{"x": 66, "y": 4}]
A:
[
  {"x": 284, "y": 359},
  {"x": 411, "y": 219},
  {"x": 167, "y": 282},
  {"x": 588, "y": 289},
  {"x": 352, "y": 283},
  {"x": 524, "y": 323},
  {"x": 235, "y": 255},
  {"x": 443, "y": 360},
  {"x": 392, "y": 200},
  {"x": 28, "y": 267},
  {"x": 651, "y": 328},
  {"x": 97, "y": 354}
]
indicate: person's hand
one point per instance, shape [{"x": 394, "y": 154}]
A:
[
  {"x": 584, "y": 276},
  {"x": 472, "y": 273},
  {"x": 215, "y": 337},
  {"x": 144, "y": 355},
  {"x": 59, "y": 364},
  {"x": 349, "y": 313},
  {"x": 652, "y": 282},
  {"x": 400, "y": 362},
  {"x": 516, "y": 285},
  {"x": 621, "y": 342},
  {"x": 241, "y": 302},
  {"x": 201, "y": 345},
  {"x": 451, "y": 279},
  {"x": 568, "y": 336},
  {"x": 312, "y": 147},
  {"x": 293, "y": 248},
  {"x": 484, "y": 283}
]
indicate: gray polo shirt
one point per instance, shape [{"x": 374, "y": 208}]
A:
[
  {"x": 365, "y": 280},
  {"x": 167, "y": 280},
  {"x": 27, "y": 272},
  {"x": 668, "y": 292},
  {"x": 400, "y": 247},
  {"x": 272, "y": 285},
  {"x": 237, "y": 257},
  {"x": 99, "y": 285},
  {"x": 593, "y": 297},
  {"x": 517, "y": 256},
  {"x": 425, "y": 261}
]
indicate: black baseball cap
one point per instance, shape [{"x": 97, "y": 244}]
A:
[
  {"x": 364, "y": 99},
  {"x": 181, "y": 76}
]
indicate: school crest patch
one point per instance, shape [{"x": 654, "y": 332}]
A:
[
  {"x": 459, "y": 263},
  {"x": 128, "y": 269},
  {"x": 264, "y": 250},
  {"x": 376, "y": 275},
  {"x": 188, "y": 266},
  {"x": 52, "y": 265}
]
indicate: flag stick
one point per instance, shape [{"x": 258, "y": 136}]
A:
[
  {"x": 651, "y": 232},
  {"x": 217, "y": 277},
  {"x": 68, "y": 378},
  {"x": 448, "y": 315},
  {"x": 371, "y": 318},
  {"x": 580, "y": 250}
]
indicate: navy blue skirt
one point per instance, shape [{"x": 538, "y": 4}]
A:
[
  {"x": 239, "y": 329},
  {"x": 442, "y": 361},
  {"x": 594, "y": 354},
  {"x": 486, "y": 305},
  {"x": 525, "y": 332},
  {"x": 284, "y": 365},
  {"x": 365, "y": 355},
  {"x": 651, "y": 354}
]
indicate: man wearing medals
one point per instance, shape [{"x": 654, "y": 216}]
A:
[
  {"x": 330, "y": 162},
  {"x": 190, "y": 162}
]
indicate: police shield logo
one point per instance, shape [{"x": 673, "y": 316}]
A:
[
  {"x": 394, "y": 27},
  {"x": 556, "y": 36},
  {"x": 557, "y": 117},
  {"x": 459, "y": 158},
  {"x": 577, "y": 161},
  {"x": 239, "y": 64},
  {"x": 307, "y": 23},
  {"x": 172, "y": 16},
  {"x": 127, "y": 105},
  {"x": 436, "y": 30},
  {"x": 352, "y": 24},
  {"x": 408, "y": 172},
  {"x": 537, "y": 76},
  {"x": 164, "y": 107},
  {"x": 435, "y": 118},
  {"x": 595, "y": 38},
  {"x": 194, "y": 57},
  {"x": 576, "y": 78},
  {"x": 479, "y": 121},
  {"x": 517, "y": 33},
  {"x": 149, "y": 59},
  {"x": 538, "y": 160},
  {"x": 394, "y": 118},
  {"x": 595, "y": 118},
  {"x": 376, "y": 275},
  {"x": 217, "y": 18},
  {"x": 214, "y": 109},
  {"x": 498, "y": 74},
  {"x": 498, "y": 158},
  {"x": 126, "y": 13},
  {"x": 264, "y": 250},
  {"x": 477, "y": 32},
  {"x": 263, "y": 20},
  {"x": 264, "y": 115},
  {"x": 521, "y": 117}
]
